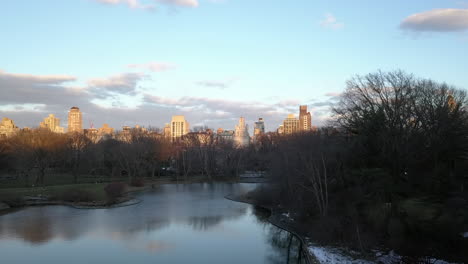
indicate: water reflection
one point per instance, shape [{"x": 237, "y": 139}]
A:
[{"x": 174, "y": 224}]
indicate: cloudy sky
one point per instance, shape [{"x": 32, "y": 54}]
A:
[{"x": 128, "y": 62}]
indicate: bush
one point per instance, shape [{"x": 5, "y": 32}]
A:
[
  {"x": 137, "y": 182},
  {"x": 75, "y": 195},
  {"x": 114, "y": 191}
]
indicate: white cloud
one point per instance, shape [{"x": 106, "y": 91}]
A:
[
  {"x": 438, "y": 20},
  {"x": 154, "y": 66},
  {"x": 331, "y": 22},
  {"x": 134, "y": 4},
  {"x": 186, "y": 3},
  {"x": 150, "y": 4},
  {"x": 123, "y": 84}
]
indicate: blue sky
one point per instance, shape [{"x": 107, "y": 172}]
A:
[{"x": 214, "y": 61}]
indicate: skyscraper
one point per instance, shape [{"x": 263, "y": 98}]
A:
[
  {"x": 290, "y": 125},
  {"x": 305, "y": 119},
  {"x": 52, "y": 123},
  {"x": 259, "y": 128},
  {"x": 75, "y": 120},
  {"x": 241, "y": 133},
  {"x": 179, "y": 127}
]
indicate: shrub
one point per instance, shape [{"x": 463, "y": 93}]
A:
[
  {"x": 75, "y": 195},
  {"x": 114, "y": 190},
  {"x": 137, "y": 182}
]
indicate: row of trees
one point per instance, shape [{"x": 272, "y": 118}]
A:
[
  {"x": 391, "y": 169},
  {"x": 34, "y": 153}
]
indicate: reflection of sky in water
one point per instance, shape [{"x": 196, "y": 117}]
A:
[{"x": 174, "y": 224}]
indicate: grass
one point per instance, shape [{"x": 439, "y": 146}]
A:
[{"x": 97, "y": 190}]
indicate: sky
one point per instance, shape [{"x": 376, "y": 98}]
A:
[{"x": 129, "y": 62}]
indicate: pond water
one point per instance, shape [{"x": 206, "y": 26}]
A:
[{"x": 179, "y": 223}]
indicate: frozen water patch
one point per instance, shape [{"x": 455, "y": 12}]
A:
[{"x": 333, "y": 255}]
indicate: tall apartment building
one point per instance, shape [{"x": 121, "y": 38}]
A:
[
  {"x": 291, "y": 125},
  {"x": 179, "y": 127},
  {"x": 7, "y": 128},
  {"x": 75, "y": 120},
  {"x": 259, "y": 128},
  {"x": 241, "y": 133},
  {"x": 52, "y": 123},
  {"x": 305, "y": 119}
]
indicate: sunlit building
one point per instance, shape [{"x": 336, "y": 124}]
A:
[
  {"x": 305, "y": 119},
  {"x": 75, "y": 120},
  {"x": 179, "y": 127},
  {"x": 52, "y": 123},
  {"x": 7, "y": 128},
  {"x": 92, "y": 134},
  {"x": 241, "y": 134},
  {"x": 290, "y": 125},
  {"x": 105, "y": 130}
]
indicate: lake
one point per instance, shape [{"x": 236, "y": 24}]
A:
[{"x": 175, "y": 223}]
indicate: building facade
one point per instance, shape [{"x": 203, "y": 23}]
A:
[
  {"x": 291, "y": 125},
  {"x": 241, "y": 134},
  {"x": 105, "y": 130},
  {"x": 179, "y": 127},
  {"x": 75, "y": 120},
  {"x": 52, "y": 123},
  {"x": 305, "y": 119},
  {"x": 7, "y": 128},
  {"x": 259, "y": 128},
  {"x": 225, "y": 135}
]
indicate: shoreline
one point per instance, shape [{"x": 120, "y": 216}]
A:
[
  {"x": 275, "y": 219},
  {"x": 125, "y": 200}
]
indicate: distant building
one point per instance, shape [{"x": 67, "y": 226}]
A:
[
  {"x": 167, "y": 131},
  {"x": 7, "y": 128},
  {"x": 241, "y": 134},
  {"x": 291, "y": 125},
  {"x": 225, "y": 135},
  {"x": 52, "y": 123},
  {"x": 92, "y": 134},
  {"x": 179, "y": 127},
  {"x": 75, "y": 120},
  {"x": 305, "y": 119},
  {"x": 105, "y": 130},
  {"x": 199, "y": 137},
  {"x": 259, "y": 128},
  {"x": 280, "y": 130}
]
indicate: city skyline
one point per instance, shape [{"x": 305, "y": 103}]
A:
[
  {"x": 214, "y": 61},
  {"x": 75, "y": 124}
]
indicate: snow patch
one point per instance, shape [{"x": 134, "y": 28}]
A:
[{"x": 332, "y": 256}]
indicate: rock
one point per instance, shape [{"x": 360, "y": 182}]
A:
[{"x": 4, "y": 206}]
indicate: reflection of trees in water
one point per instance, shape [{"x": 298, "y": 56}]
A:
[
  {"x": 286, "y": 248},
  {"x": 200, "y": 206},
  {"x": 204, "y": 223}
]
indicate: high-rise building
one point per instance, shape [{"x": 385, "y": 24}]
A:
[
  {"x": 259, "y": 128},
  {"x": 291, "y": 125},
  {"x": 75, "y": 120},
  {"x": 7, "y": 128},
  {"x": 179, "y": 127},
  {"x": 241, "y": 133},
  {"x": 52, "y": 123},
  {"x": 305, "y": 119}
]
